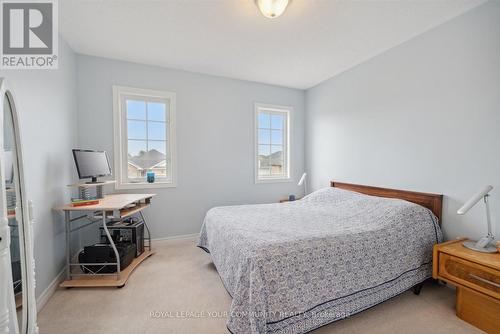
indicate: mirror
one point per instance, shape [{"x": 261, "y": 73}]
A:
[
  {"x": 17, "y": 277},
  {"x": 14, "y": 209}
]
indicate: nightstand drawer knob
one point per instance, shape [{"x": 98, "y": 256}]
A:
[{"x": 484, "y": 280}]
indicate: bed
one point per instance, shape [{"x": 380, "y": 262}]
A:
[{"x": 297, "y": 266}]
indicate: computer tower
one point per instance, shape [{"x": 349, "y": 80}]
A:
[{"x": 129, "y": 230}]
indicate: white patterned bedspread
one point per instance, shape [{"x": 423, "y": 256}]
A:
[{"x": 296, "y": 266}]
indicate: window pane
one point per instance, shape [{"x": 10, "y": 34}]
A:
[
  {"x": 161, "y": 170},
  {"x": 157, "y": 111},
  {"x": 136, "y": 147},
  {"x": 272, "y": 143},
  {"x": 277, "y": 121},
  {"x": 264, "y": 171},
  {"x": 264, "y": 137},
  {"x": 277, "y": 137},
  {"x": 136, "y": 109},
  {"x": 264, "y": 167},
  {"x": 276, "y": 167},
  {"x": 157, "y": 130},
  {"x": 276, "y": 159},
  {"x": 136, "y": 129},
  {"x": 141, "y": 160},
  {"x": 145, "y": 135},
  {"x": 159, "y": 162},
  {"x": 264, "y": 121},
  {"x": 276, "y": 149},
  {"x": 160, "y": 147},
  {"x": 264, "y": 150}
]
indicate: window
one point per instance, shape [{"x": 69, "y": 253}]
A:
[
  {"x": 272, "y": 143},
  {"x": 144, "y": 125}
]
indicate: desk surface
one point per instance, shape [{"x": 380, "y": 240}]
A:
[{"x": 109, "y": 202}]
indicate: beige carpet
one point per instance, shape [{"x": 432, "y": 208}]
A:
[{"x": 180, "y": 281}]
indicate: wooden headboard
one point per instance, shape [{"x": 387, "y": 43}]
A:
[{"x": 431, "y": 201}]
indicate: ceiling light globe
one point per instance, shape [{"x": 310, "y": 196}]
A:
[{"x": 272, "y": 8}]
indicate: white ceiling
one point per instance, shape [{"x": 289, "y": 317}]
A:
[{"x": 313, "y": 40}]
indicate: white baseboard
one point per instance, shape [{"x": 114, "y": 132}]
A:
[
  {"x": 50, "y": 290},
  {"x": 176, "y": 237}
]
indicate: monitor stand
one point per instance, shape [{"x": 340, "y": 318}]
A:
[
  {"x": 94, "y": 180},
  {"x": 84, "y": 189}
]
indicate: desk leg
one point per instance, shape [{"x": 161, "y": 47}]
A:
[
  {"x": 67, "y": 218},
  {"x": 147, "y": 228},
  {"x": 117, "y": 256}
]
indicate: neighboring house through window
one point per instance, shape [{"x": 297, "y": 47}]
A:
[
  {"x": 144, "y": 130},
  {"x": 272, "y": 143}
]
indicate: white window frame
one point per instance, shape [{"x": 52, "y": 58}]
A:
[
  {"x": 277, "y": 109},
  {"x": 120, "y": 94}
]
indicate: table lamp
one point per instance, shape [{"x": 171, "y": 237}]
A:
[
  {"x": 303, "y": 181},
  {"x": 485, "y": 244}
]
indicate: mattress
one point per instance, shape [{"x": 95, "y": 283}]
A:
[{"x": 296, "y": 266}]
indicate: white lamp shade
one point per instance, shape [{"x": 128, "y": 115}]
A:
[
  {"x": 302, "y": 179},
  {"x": 474, "y": 199}
]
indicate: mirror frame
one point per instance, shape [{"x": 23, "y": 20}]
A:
[{"x": 29, "y": 311}]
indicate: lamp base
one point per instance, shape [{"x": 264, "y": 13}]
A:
[{"x": 473, "y": 245}]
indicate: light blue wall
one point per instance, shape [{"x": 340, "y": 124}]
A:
[
  {"x": 215, "y": 137},
  {"x": 46, "y": 103},
  {"x": 422, "y": 116}
]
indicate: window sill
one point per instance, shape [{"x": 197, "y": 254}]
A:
[
  {"x": 145, "y": 185},
  {"x": 270, "y": 180}
]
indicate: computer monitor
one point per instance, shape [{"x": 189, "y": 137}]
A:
[{"x": 91, "y": 164}]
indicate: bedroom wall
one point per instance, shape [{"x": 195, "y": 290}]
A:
[
  {"x": 422, "y": 116},
  {"x": 215, "y": 137},
  {"x": 46, "y": 103}
]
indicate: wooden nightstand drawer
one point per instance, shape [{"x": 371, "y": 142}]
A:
[{"x": 470, "y": 274}]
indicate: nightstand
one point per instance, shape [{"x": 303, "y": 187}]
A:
[{"x": 477, "y": 279}]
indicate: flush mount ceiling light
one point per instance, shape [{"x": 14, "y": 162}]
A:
[{"x": 272, "y": 8}]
